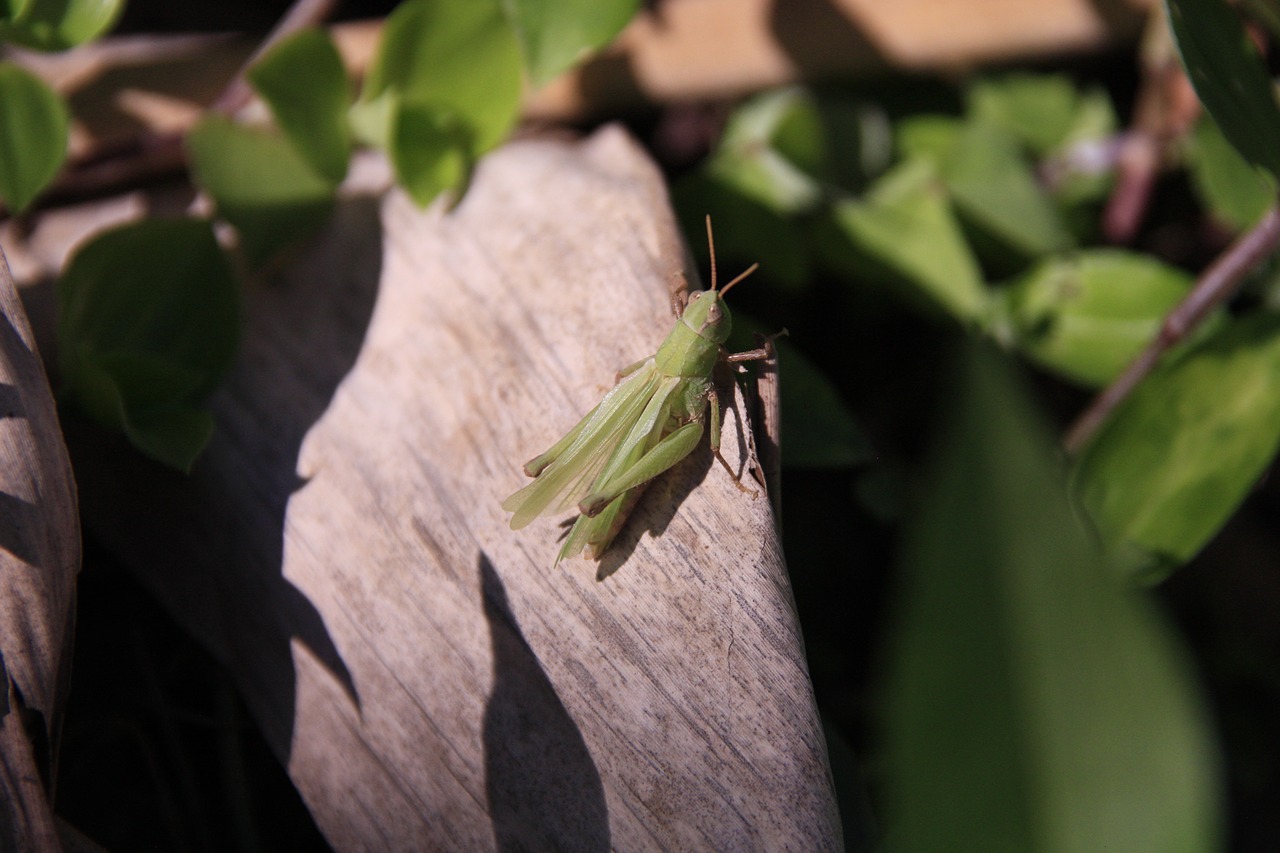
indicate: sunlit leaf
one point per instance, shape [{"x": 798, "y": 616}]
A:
[
  {"x": 996, "y": 193},
  {"x": 58, "y": 24},
  {"x": 459, "y": 57},
  {"x": 1173, "y": 463},
  {"x": 1235, "y": 193},
  {"x": 1040, "y": 109},
  {"x": 430, "y": 150},
  {"x": 33, "y": 135},
  {"x": 747, "y": 160},
  {"x": 1088, "y": 314},
  {"x": 304, "y": 82},
  {"x": 1033, "y": 702},
  {"x": 556, "y": 34},
  {"x": 904, "y": 235}
]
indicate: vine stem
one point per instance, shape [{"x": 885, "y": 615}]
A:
[{"x": 1215, "y": 285}]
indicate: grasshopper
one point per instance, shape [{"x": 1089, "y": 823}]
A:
[{"x": 650, "y": 420}]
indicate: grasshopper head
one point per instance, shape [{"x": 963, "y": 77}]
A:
[
  {"x": 708, "y": 315},
  {"x": 706, "y": 312}
]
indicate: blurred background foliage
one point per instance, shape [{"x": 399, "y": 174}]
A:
[{"x": 1013, "y": 646}]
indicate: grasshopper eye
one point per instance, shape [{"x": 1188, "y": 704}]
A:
[{"x": 714, "y": 314}]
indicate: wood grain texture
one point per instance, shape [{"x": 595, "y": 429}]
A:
[
  {"x": 429, "y": 681},
  {"x": 39, "y": 561}
]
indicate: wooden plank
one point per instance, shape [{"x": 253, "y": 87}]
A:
[
  {"x": 39, "y": 561},
  {"x": 429, "y": 680}
]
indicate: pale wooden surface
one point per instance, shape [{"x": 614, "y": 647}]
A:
[
  {"x": 430, "y": 682},
  {"x": 39, "y": 560}
]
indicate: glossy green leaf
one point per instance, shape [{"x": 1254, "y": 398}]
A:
[
  {"x": 1088, "y": 314},
  {"x": 430, "y": 150},
  {"x": 148, "y": 322},
  {"x": 261, "y": 185},
  {"x": 1235, "y": 193},
  {"x": 33, "y": 135},
  {"x": 904, "y": 235},
  {"x": 304, "y": 82},
  {"x": 1032, "y": 703},
  {"x": 556, "y": 34},
  {"x": 1173, "y": 463},
  {"x": 58, "y": 24},
  {"x": 1230, "y": 77},
  {"x": 996, "y": 194},
  {"x": 462, "y": 58}
]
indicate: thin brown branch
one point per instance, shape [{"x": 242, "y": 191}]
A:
[{"x": 1213, "y": 288}]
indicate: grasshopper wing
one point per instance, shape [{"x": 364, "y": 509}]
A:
[{"x": 570, "y": 477}]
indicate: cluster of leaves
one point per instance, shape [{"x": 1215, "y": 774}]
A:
[
  {"x": 984, "y": 219},
  {"x": 33, "y": 119},
  {"x": 148, "y": 319},
  {"x": 1032, "y": 694}
]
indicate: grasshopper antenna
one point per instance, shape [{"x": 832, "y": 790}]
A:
[
  {"x": 711, "y": 245},
  {"x": 748, "y": 271}
]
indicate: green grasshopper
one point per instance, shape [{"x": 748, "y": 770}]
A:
[{"x": 650, "y": 420}]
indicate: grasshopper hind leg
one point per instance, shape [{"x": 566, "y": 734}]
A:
[{"x": 595, "y": 534}]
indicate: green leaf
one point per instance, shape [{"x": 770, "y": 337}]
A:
[
  {"x": 303, "y": 80},
  {"x": 904, "y": 236},
  {"x": 11, "y": 10},
  {"x": 1235, "y": 193},
  {"x": 1039, "y": 109},
  {"x": 58, "y": 24},
  {"x": 996, "y": 194},
  {"x": 1173, "y": 463},
  {"x": 1088, "y": 314},
  {"x": 927, "y": 137},
  {"x": 430, "y": 150},
  {"x": 1229, "y": 77},
  {"x": 462, "y": 58},
  {"x": 148, "y": 322},
  {"x": 556, "y": 34},
  {"x": 790, "y": 147},
  {"x": 33, "y": 135},
  {"x": 261, "y": 184},
  {"x": 1032, "y": 703},
  {"x": 747, "y": 160}
]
